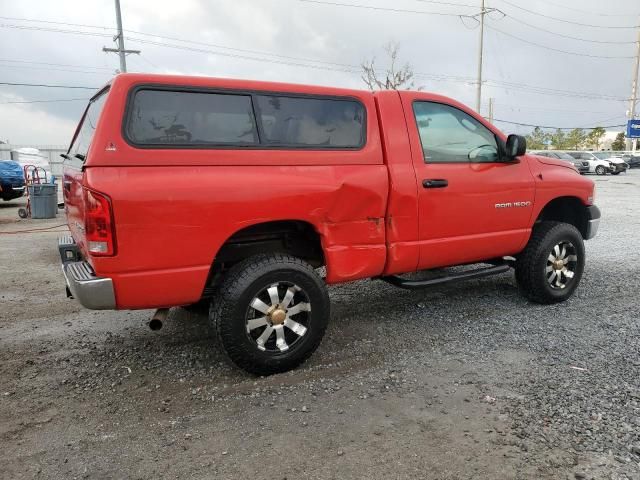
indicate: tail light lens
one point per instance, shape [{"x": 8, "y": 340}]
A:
[{"x": 98, "y": 224}]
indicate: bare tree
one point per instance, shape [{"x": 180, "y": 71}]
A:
[{"x": 394, "y": 78}]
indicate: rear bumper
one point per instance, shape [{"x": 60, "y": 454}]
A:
[
  {"x": 93, "y": 292},
  {"x": 593, "y": 222}
]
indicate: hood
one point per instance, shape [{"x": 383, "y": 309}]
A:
[
  {"x": 555, "y": 162},
  {"x": 11, "y": 169}
]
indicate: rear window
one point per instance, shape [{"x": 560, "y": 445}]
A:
[
  {"x": 292, "y": 121},
  {"x": 82, "y": 141},
  {"x": 160, "y": 117},
  {"x": 164, "y": 118}
]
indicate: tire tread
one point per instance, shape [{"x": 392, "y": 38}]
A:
[{"x": 237, "y": 280}]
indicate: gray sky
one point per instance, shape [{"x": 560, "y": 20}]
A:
[{"x": 305, "y": 42}]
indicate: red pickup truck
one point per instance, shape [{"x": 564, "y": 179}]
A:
[{"x": 181, "y": 190}]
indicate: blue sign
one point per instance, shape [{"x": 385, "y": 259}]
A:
[{"x": 633, "y": 129}]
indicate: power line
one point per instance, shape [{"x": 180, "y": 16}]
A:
[
  {"x": 347, "y": 68},
  {"x": 47, "y": 101},
  {"x": 446, "y": 3},
  {"x": 556, "y": 128},
  {"x": 47, "y": 86},
  {"x": 384, "y": 9},
  {"x": 522, "y": 22},
  {"x": 236, "y": 55},
  {"x": 553, "y": 91},
  {"x": 607, "y": 57},
  {"x": 20, "y": 19},
  {"x": 54, "y": 64},
  {"x": 56, "y": 30},
  {"x": 568, "y": 21},
  {"x": 586, "y": 11},
  {"x": 50, "y": 69}
]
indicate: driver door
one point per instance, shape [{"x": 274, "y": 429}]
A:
[{"x": 471, "y": 205}]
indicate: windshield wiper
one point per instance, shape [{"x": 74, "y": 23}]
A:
[
  {"x": 80, "y": 156},
  {"x": 65, "y": 156}
]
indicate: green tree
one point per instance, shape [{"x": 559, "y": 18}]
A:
[
  {"x": 575, "y": 139},
  {"x": 537, "y": 140},
  {"x": 619, "y": 143},
  {"x": 595, "y": 136},
  {"x": 559, "y": 140}
]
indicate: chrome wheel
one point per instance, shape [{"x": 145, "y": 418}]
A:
[
  {"x": 561, "y": 265},
  {"x": 269, "y": 319}
]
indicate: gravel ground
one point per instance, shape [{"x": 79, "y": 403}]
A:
[{"x": 467, "y": 381}]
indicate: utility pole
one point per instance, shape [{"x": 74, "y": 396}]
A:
[
  {"x": 490, "y": 110},
  {"x": 121, "y": 51},
  {"x": 634, "y": 93},
  {"x": 483, "y": 11}
]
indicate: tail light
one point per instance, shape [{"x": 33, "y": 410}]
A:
[{"x": 98, "y": 224}]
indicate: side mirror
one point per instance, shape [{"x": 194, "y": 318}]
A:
[{"x": 516, "y": 145}]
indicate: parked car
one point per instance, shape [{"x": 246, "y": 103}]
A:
[
  {"x": 618, "y": 165},
  {"x": 271, "y": 181},
  {"x": 632, "y": 160},
  {"x": 11, "y": 180},
  {"x": 596, "y": 165},
  {"x": 581, "y": 165}
]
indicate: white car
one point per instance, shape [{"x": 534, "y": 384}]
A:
[
  {"x": 32, "y": 156},
  {"x": 600, "y": 163}
]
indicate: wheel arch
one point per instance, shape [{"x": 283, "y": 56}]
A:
[
  {"x": 567, "y": 209},
  {"x": 299, "y": 238}
]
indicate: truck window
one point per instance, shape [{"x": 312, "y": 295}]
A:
[
  {"x": 183, "y": 118},
  {"x": 449, "y": 135},
  {"x": 299, "y": 122},
  {"x": 80, "y": 144}
]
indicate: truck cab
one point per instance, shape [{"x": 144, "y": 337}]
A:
[{"x": 183, "y": 190}]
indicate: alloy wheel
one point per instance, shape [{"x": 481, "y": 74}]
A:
[
  {"x": 270, "y": 321},
  {"x": 561, "y": 265}
]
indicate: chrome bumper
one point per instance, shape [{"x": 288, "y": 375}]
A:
[
  {"x": 93, "y": 292},
  {"x": 593, "y": 222}
]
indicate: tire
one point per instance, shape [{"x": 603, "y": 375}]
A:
[
  {"x": 615, "y": 173},
  {"x": 251, "y": 345},
  {"x": 22, "y": 213},
  {"x": 535, "y": 280},
  {"x": 600, "y": 170}
]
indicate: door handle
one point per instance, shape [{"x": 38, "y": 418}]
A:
[{"x": 435, "y": 183}]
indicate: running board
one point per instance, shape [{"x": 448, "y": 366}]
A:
[{"x": 418, "y": 284}]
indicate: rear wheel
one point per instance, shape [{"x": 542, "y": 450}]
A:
[
  {"x": 551, "y": 265},
  {"x": 270, "y": 313},
  {"x": 600, "y": 170}
]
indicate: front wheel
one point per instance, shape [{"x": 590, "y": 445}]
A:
[
  {"x": 600, "y": 170},
  {"x": 550, "y": 267},
  {"x": 270, "y": 313}
]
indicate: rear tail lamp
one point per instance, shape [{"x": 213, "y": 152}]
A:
[{"x": 98, "y": 224}]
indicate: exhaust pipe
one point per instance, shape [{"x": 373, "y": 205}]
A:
[{"x": 158, "y": 318}]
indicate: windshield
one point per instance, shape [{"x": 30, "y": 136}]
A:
[
  {"x": 602, "y": 155},
  {"x": 565, "y": 156},
  {"x": 80, "y": 145}
]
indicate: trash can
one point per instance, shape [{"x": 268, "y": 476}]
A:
[{"x": 44, "y": 200}]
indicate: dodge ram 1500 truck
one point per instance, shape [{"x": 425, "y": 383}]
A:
[{"x": 181, "y": 190}]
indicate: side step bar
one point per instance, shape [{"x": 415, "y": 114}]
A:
[{"x": 418, "y": 284}]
